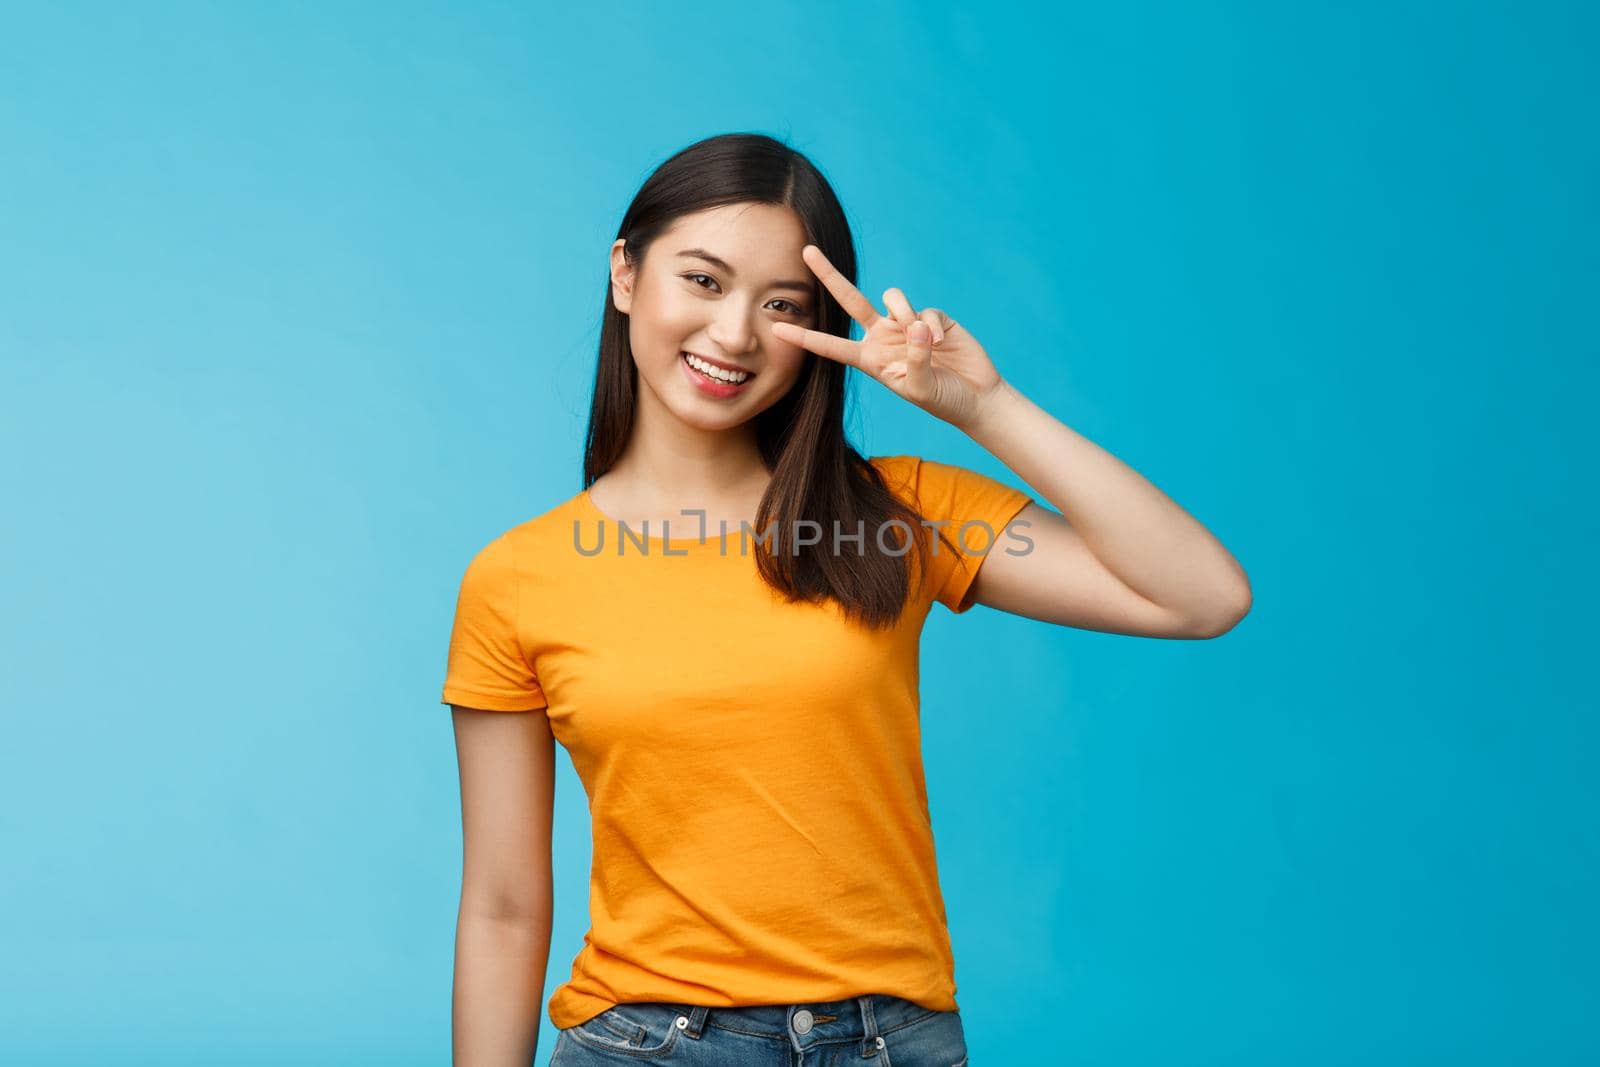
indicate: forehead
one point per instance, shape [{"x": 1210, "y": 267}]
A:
[{"x": 761, "y": 241}]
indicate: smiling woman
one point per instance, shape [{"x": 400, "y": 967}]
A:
[
  {"x": 699, "y": 403},
  {"x": 763, "y": 880}
]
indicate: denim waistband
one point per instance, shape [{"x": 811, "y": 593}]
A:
[{"x": 860, "y": 1019}]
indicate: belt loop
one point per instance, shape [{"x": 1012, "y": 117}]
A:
[
  {"x": 697, "y": 1020},
  {"x": 869, "y": 1024}
]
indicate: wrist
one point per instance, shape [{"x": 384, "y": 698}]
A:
[{"x": 993, "y": 407}]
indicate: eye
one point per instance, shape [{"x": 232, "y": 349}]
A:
[{"x": 695, "y": 278}]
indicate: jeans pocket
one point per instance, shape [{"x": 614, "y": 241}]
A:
[
  {"x": 936, "y": 1039},
  {"x": 637, "y": 1030}
]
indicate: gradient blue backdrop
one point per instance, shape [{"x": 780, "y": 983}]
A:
[{"x": 299, "y": 305}]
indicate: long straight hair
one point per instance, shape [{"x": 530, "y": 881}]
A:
[{"x": 816, "y": 476}]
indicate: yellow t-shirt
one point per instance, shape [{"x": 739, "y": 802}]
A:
[{"x": 753, "y": 767}]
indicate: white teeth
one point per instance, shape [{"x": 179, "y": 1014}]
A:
[{"x": 710, "y": 371}]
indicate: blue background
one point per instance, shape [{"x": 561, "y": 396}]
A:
[{"x": 299, "y": 306}]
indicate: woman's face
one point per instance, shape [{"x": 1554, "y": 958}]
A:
[{"x": 712, "y": 286}]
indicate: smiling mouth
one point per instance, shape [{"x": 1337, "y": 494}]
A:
[{"x": 713, "y": 373}]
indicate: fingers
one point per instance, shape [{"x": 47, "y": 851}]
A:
[
  {"x": 856, "y": 305},
  {"x": 900, "y": 307},
  {"x": 895, "y": 300},
  {"x": 840, "y": 349},
  {"x": 919, "y": 360}
]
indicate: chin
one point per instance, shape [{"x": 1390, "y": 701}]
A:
[{"x": 712, "y": 421}]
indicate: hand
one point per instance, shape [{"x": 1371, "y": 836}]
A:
[{"x": 925, "y": 357}]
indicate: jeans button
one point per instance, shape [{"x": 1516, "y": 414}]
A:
[{"x": 802, "y": 1021}]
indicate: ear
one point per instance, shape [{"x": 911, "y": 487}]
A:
[{"x": 622, "y": 275}]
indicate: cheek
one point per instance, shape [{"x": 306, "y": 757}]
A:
[
  {"x": 677, "y": 321},
  {"x": 788, "y": 367},
  {"x": 781, "y": 377},
  {"x": 658, "y": 327}
]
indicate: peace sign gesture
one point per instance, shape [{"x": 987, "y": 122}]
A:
[{"x": 925, "y": 357}]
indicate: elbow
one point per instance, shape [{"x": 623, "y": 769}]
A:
[
  {"x": 511, "y": 902},
  {"x": 534, "y": 914},
  {"x": 1229, "y": 611}
]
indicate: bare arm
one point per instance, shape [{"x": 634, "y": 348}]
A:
[
  {"x": 507, "y": 763},
  {"x": 1130, "y": 561}
]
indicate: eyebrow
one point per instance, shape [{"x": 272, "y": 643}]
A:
[{"x": 727, "y": 268}]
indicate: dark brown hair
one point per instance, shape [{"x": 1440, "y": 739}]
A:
[{"x": 816, "y": 474}]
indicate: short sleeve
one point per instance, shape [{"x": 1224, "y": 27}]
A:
[
  {"x": 487, "y": 667},
  {"x": 976, "y": 510}
]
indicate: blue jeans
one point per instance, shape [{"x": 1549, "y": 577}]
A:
[{"x": 876, "y": 1030}]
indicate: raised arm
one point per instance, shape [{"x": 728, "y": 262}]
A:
[
  {"x": 1129, "y": 561},
  {"x": 507, "y": 764}
]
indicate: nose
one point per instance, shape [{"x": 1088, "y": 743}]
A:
[{"x": 732, "y": 329}]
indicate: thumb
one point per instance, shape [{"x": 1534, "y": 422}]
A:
[{"x": 919, "y": 360}]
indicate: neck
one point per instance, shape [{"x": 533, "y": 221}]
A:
[{"x": 671, "y": 463}]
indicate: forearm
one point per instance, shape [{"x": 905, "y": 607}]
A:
[
  {"x": 499, "y": 989},
  {"x": 1154, "y": 546}
]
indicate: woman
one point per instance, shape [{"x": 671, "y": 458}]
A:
[{"x": 739, "y": 698}]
